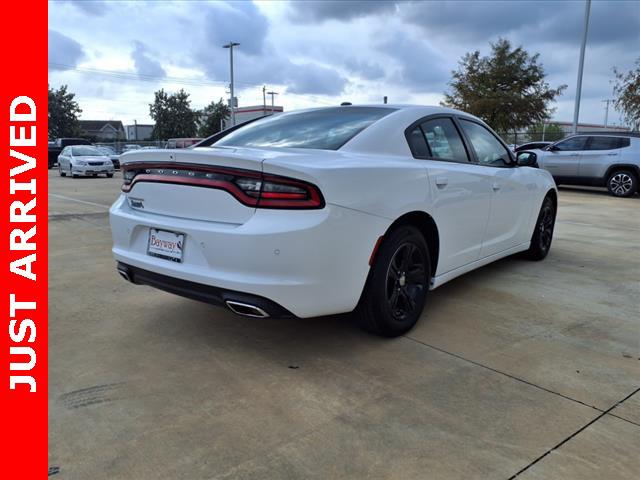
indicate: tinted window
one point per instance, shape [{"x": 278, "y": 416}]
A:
[
  {"x": 326, "y": 129},
  {"x": 418, "y": 143},
  {"x": 488, "y": 148},
  {"x": 444, "y": 140},
  {"x": 624, "y": 142},
  {"x": 571, "y": 144},
  {"x": 604, "y": 143},
  {"x": 82, "y": 151}
]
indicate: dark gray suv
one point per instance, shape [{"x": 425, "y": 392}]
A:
[{"x": 602, "y": 159}]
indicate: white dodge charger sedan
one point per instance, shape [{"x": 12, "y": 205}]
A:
[{"x": 331, "y": 210}]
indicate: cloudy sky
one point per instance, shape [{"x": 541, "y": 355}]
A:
[{"x": 114, "y": 55}]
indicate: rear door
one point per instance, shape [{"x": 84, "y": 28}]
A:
[
  {"x": 601, "y": 151},
  {"x": 461, "y": 191},
  {"x": 563, "y": 160}
]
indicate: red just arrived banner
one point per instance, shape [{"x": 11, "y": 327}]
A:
[{"x": 23, "y": 344}]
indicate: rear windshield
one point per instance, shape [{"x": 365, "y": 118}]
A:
[
  {"x": 84, "y": 151},
  {"x": 325, "y": 129}
]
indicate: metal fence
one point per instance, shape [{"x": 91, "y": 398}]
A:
[
  {"x": 124, "y": 145},
  {"x": 518, "y": 138}
]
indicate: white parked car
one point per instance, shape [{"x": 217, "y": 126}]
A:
[
  {"x": 78, "y": 160},
  {"x": 325, "y": 211}
]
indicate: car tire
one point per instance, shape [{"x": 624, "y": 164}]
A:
[
  {"x": 396, "y": 290},
  {"x": 62, "y": 174},
  {"x": 622, "y": 183},
  {"x": 109, "y": 175},
  {"x": 543, "y": 231}
]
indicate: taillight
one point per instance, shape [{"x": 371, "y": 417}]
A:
[{"x": 249, "y": 187}]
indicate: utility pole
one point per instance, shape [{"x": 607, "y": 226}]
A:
[
  {"x": 264, "y": 100},
  {"x": 576, "y": 111},
  {"x": 606, "y": 110},
  {"x": 272, "y": 96},
  {"x": 230, "y": 46}
]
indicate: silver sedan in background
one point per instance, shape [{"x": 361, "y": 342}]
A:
[{"x": 84, "y": 160}]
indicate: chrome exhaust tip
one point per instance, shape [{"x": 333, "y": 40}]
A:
[
  {"x": 124, "y": 274},
  {"x": 246, "y": 310}
]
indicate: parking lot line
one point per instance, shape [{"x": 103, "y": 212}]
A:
[{"x": 64, "y": 197}]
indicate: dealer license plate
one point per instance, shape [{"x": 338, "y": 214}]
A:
[{"x": 166, "y": 244}]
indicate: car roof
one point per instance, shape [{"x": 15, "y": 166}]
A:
[
  {"x": 606, "y": 134},
  {"x": 423, "y": 109}
]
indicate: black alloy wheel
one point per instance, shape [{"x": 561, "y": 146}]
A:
[
  {"x": 405, "y": 281},
  {"x": 396, "y": 290},
  {"x": 543, "y": 232}
]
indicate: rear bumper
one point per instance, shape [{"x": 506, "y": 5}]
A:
[
  {"x": 308, "y": 262},
  {"x": 200, "y": 292}
]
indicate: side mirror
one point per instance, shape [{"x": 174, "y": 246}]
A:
[{"x": 527, "y": 159}]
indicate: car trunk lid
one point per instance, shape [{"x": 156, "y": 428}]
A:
[{"x": 195, "y": 184}]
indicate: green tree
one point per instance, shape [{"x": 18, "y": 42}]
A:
[
  {"x": 212, "y": 116},
  {"x": 506, "y": 89},
  {"x": 172, "y": 115},
  {"x": 552, "y": 132},
  {"x": 63, "y": 113},
  {"x": 627, "y": 92}
]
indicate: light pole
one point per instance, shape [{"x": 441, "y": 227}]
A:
[
  {"x": 576, "y": 110},
  {"x": 273, "y": 94},
  {"x": 230, "y": 46},
  {"x": 606, "y": 110}
]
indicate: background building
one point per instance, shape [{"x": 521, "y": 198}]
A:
[
  {"x": 102, "y": 129},
  {"x": 244, "y": 114},
  {"x": 139, "y": 131},
  {"x": 587, "y": 127}
]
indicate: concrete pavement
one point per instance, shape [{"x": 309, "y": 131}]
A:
[{"x": 519, "y": 368}]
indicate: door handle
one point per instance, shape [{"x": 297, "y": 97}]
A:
[
  {"x": 442, "y": 182},
  {"x": 612, "y": 154},
  {"x": 495, "y": 186}
]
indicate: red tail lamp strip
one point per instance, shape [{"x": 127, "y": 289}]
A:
[{"x": 311, "y": 198}]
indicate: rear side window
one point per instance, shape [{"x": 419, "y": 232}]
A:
[
  {"x": 571, "y": 144},
  {"x": 604, "y": 143},
  {"x": 624, "y": 142},
  {"x": 488, "y": 148},
  {"x": 418, "y": 143},
  {"x": 441, "y": 140},
  {"x": 325, "y": 129}
]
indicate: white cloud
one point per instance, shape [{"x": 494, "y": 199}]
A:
[{"x": 318, "y": 53}]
